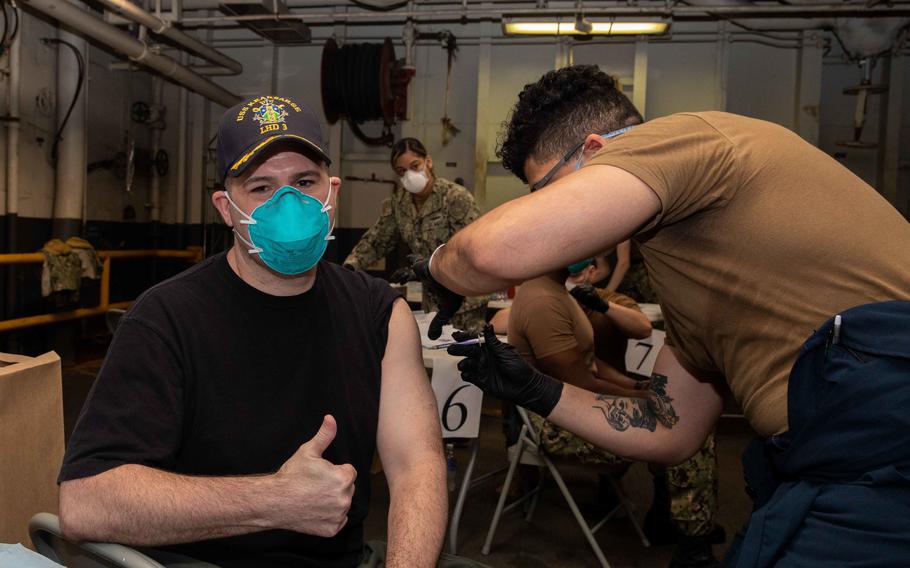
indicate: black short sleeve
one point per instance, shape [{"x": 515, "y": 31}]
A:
[{"x": 134, "y": 411}]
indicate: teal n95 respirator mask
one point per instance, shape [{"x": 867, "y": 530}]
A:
[{"x": 290, "y": 231}]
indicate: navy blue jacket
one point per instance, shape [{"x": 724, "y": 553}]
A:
[{"x": 835, "y": 489}]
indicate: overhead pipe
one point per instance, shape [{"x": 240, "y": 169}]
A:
[
  {"x": 195, "y": 5},
  {"x": 207, "y": 70},
  {"x": 136, "y": 50},
  {"x": 156, "y": 25},
  {"x": 747, "y": 10},
  {"x": 862, "y": 36}
]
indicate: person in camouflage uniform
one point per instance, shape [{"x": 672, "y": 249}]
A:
[
  {"x": 685, "y": 496},
  {"x": 690, "y": 487},
  {"x": 422, "y": 217},
  {"x": 636, "y": 284}
]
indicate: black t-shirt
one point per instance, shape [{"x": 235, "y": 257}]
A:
[{"x": 208, "y": 376}]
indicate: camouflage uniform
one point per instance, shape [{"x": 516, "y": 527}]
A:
[
  {"x": 448, "y": 209},
  {"x": 692, "y": 484},
  {"x": 693, "y": 487},
  {"x": 637, "y": 285}
]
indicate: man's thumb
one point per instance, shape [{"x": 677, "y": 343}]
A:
[{"x": 323, "y": 437}]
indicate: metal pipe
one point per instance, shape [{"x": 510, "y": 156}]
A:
[
  {"x": 744, "y": 11},
  {"x": 207, "y": 70},
  {"x": 137, "y": 51},
  {"x": 772, "y": 24},
  {"x": 192, "y": 254},
  {"x": 181, "y": 159},
  {"x": 12, "y": 143},
  {"x": 71, "y": 150},
  {"x": 155, "y": 189},
  {"x": 211, "y": 70},
  {"x": 474, "y": 39},
  {"x": 197, "y": 5},
  {"x": 132, "y": 12}
]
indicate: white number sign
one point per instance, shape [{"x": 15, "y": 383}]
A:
[
  {"x": 641, "y": 353},
  {"x": 459, "y": 402}
]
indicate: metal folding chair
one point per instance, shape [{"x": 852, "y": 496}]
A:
[
  {"x": 529, "y": 441},
  {"x": 48, "y": 540}
]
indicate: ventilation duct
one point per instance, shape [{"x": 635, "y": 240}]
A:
[{"x": 278, "y": 31}]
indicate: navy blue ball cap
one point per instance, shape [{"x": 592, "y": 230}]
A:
[{"x": 246, "y": 130}]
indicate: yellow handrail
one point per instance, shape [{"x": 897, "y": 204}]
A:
[{"x": 192, "y": 254}]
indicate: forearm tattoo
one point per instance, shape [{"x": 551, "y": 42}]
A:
[{"x": 622, "y": 412}]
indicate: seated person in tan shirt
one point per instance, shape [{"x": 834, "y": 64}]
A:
[
  {"x": 684, "y": 506},
  {"x": 554, "y": 333}
]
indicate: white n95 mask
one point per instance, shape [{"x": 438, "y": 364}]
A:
[{"x": 414, "y": 182}]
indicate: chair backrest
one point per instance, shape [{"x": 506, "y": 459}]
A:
[
  {"x": 526, "y": 420},
  {"x": 48, "y": 540}
]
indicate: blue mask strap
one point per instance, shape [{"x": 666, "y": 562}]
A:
[{"x": 613, "y": 134}]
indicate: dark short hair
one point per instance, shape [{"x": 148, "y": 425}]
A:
[
  {"x": 558, "y": 111},
  {"x": 407, "y": 145}
]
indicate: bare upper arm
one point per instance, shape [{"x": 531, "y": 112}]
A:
[
  {"x": 697, "y": 398},
  {"x": 408, "y": 429},
  {"x": 668, "y": 428},
  {"x": 527, "y": 237}
]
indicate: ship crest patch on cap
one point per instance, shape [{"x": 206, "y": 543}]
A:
[
  {"x": 270, "y": 115},
  {"x": 269, "y": 112}
]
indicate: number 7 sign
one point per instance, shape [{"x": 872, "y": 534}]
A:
[{"x": 641, "y": 353}]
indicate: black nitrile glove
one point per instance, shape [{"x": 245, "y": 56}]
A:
[
  {"x": 402, "y": 276},
  {"x": 499, "y": 370},
  {"x": 587, "y": 296},
  {"x": 449, "y": 301}
]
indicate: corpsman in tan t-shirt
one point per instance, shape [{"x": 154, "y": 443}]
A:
[{"x": 753, "y": 239}]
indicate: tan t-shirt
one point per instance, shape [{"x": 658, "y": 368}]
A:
[
  {"x": 761, "y": 238},
  {"x": 546, "y": 320}
]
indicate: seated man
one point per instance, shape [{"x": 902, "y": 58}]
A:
[
  {"x": 552, "y": 332},
  {"x": 237, "y": 414}
]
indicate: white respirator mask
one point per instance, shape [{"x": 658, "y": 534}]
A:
[{"x": 414, "y": 182}]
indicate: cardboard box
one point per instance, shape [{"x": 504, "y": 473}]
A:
[{"x": 31, "y": 440}]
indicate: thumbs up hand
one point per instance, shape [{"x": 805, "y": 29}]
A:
[{"x": 318, "y": 492}]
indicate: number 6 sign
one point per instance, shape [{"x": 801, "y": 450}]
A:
[{"x": 459, "y": 402}]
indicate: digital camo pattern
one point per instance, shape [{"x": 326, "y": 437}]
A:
[
  {"x": 449, "y": 209},
  {"x": 692, "y": 485}
]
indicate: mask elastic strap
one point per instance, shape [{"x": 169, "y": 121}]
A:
[
  {"x": 608, "y": 135},
  {"x": 325, "y": 209},
  {"x": 248, "y": 221},
  {"x": 254, "y": 249}
]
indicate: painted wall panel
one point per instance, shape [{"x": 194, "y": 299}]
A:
[{"x": 761, "y": 82}]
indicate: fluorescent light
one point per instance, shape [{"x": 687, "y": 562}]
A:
[
  {"x": 637, "y": 28},
  {"x": 555, "y": 27}
]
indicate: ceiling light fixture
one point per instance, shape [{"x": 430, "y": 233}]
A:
[{"x": 581, "y": 26}]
